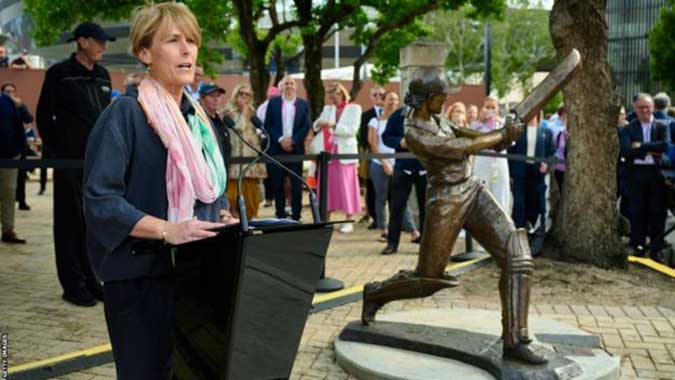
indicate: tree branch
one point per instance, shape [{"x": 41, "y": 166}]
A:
[
  {"x": 273, "y": 13},
  {"x": 276, "y": 29}
]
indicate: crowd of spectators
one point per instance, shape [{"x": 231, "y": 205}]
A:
[{"x": 282, "y": 125}]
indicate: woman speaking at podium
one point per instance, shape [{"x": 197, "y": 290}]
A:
[{"x": 153, "y": 172}]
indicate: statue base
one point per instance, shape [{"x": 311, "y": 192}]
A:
[{"x": 465, "y": 344}]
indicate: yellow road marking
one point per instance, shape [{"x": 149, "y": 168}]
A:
[
  {"x": 318, "y": 298},
  {"x": 71, "y": 355},
  {"x": 670, "y": 272}
]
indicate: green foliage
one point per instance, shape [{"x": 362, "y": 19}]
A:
[
  {"x": 395, "y": 24},
  {"x": 386, "y": 56},
  {"x": 53, "y": 17},
  {"x": 661, "y": 42},
  {"x": 552, "y": 106},
  {"x": 287, "y": 43},
  {"x": 463, "y": 37},
  {"x": 520, "y": 41}
]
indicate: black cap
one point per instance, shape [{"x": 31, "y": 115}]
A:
[
  {"x": 89, "y": 29},
  {"x": 208, "y": 88}
]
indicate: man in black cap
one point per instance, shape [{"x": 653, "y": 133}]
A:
[
  {"x": 210, "y": 96},
  {"x": 74, "y": 93}
]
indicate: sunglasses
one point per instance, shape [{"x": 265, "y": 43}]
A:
[{"x": 244, "y": 94}]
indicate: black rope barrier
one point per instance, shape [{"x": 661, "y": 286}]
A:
[
  {"x": 326, "y": 283},
  {"x": 66, "y": 163}
]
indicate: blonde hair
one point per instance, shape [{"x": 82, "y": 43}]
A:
[
  {"x": 452, "y": 108},
  {"x": 490, "y": 99},
  {"x": 231, "y": 105},
  {"x": 336, "y": 87},
  {"x": 150, "y": 19}
]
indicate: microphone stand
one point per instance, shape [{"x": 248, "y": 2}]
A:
[
  {"x": 325, "y": 284},
  {"x": 263, "y": 153}
]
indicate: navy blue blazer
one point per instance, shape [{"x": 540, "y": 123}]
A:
[
  {"x": 125, "y": 180},
  {"x": 660, "y": 140},
  {"x": 391, "y": 137},
  {"x": 660, "y": 115},
  {"x": 544, "y": 148},
  {"x": 275, "y": 127}
]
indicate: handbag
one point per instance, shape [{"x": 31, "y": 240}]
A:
[{"x": 316, "y": 146}]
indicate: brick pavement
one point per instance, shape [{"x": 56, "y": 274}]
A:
[{"x": 41, "y": 325}]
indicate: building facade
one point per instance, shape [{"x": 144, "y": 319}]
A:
[{"x": 629, "y": 23}]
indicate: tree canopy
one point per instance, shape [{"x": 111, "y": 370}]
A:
[
  {"x": 661, "y": 42},
  {"x": 520, "y": 42},
  {"x": 53, "y": 17},
  {"x": 261, "y": 30}
]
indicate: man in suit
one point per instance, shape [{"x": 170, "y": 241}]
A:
[
  {"x": 527, "y": 177},
  {"x": 287, "y": 121},
  {"x": 377, "y": 98},
  {"x": 643, "y": 143},
  {"x": 407, "y": 173}
]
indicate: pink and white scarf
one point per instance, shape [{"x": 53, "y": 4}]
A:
[{"x": 190, "y": 174}]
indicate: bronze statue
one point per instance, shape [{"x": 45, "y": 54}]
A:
[{"x": 456, "y": 200}]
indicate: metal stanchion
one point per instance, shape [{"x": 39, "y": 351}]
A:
[
  {"x": 470, "y": 254},
  {"x": 325, "y": 284}
]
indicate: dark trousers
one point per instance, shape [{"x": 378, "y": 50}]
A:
[
  {"x": 43, "y": 179},
  {"x": 370, "y": 200},
  {"x": 139, "y": 316},
  {"x": 401, "y": 185},
  {"x": 277, "y": 176},
  {"x": 648, "y": 206},
  {"x": 624, "y": 197},
  {"x": 529, "y": 200},
  {"x": 21, "y": 183},
  {"x": 21, "y": 186},
  {"x": 269, "y": 189},
  {"x": 560, "y": 178},
  {"x": 72, "y": 262}
]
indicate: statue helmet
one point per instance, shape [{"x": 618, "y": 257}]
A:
[{"x": 426, "y": 82}]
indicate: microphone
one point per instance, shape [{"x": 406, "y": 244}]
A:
[{"x": 263, "y": 153}]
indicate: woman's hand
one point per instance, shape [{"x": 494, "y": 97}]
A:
[
  {"x": 323, "y": 124},
  {"x": 184, "y": 232},
  {"x": 388, "y": 168},
  {"x": 246, "y": 112},
  {"x": 227, "y": 218}
]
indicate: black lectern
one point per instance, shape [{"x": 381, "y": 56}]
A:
[{"x": 242, "y": 299}]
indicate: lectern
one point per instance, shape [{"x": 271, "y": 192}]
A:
[{"x": 242, "y": 299}]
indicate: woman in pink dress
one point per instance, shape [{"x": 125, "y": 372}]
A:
[{"x": 338, "y": 125}]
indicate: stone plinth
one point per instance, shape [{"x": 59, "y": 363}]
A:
[{"x": 464, "y": 344}]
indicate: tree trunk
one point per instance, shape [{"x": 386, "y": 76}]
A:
[
  {"x": 281, "y": 65},
  {"x": 313, "y": 66},
  {"x": 357, "y": 83},
  {"x": 259, "y": 76},
  {"x": 585, "y": 226}
]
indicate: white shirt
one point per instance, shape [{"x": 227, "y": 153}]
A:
[
  {"x": 288, "y": 115},
  {"x": 193, "y": 93},
  {"x": 380, "y": 126},
  {"x": 531, "y": 142},
  {"x": 646, "y": 137}
]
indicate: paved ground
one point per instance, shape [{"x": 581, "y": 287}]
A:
[{"x": 41, "y": 325}]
